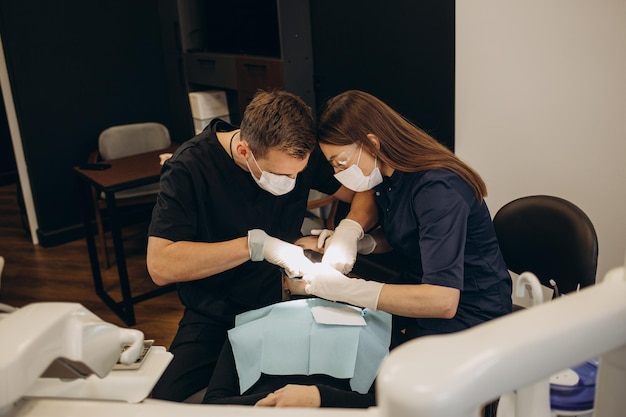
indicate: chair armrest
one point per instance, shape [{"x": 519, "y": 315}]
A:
[
  {"x": 320, "y": 202},
  {"x": 323, "y": 202}
]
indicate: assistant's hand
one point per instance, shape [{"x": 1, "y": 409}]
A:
[
  {"x": 278, "y": 252},
  {"x": 341, "y": 246},
  {"x": 326, "y": 282},
  {"x": 292, "y": 396},
  {"x": 364, "y": 246}
]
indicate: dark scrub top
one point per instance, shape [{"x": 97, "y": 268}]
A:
[
  {"x": 206, "y": 197},
  {"x": 435, "y": 220}
]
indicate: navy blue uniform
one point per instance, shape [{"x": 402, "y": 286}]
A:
[
  {"x": 206, "y": 197},
  {"x": 434, "y": 219}
]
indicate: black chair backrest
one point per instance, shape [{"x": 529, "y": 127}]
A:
[{"x": 550, "y": 237}]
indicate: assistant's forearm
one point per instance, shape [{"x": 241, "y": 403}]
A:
[
  {"x": 363, "y": 210},
  {"x": 419, "y": 300},
  {"x": 170, "y": 262}
]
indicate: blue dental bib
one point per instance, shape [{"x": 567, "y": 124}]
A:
[{"x": 285, "y": 339}]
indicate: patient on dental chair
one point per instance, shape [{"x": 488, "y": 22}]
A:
[{"x": 307, "y": 352}]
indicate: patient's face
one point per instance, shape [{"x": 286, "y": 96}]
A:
[{"x": 293, "y": 286}]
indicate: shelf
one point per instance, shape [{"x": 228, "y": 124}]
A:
[
  {"x": 215, "y": 70},
  {"x": 275, "y": 55}
]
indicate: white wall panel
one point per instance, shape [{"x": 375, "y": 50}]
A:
[{"x": 541, "y": 105}]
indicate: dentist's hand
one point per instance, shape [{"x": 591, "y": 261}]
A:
[
  {"x": 341, "y": 246},
  {"x": 326, "y": 282},
  {"x": 278, "y": 252}
]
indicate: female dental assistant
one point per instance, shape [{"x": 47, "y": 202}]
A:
[{"x": 432, "y": 210}]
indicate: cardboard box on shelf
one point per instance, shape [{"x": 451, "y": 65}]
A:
[{"x": 208, "y": 104}]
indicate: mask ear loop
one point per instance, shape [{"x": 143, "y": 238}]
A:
[
  {"x": 255, "y": 163},
  {"x": 359, "y": 158},
  {"x": 375, "y": 162}
]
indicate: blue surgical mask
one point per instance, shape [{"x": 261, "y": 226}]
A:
[{"x": 272, "y": 183}]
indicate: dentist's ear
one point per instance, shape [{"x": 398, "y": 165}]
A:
[
  {"x": 374, "y": 140},
  {"x": 242, "y": 149}
]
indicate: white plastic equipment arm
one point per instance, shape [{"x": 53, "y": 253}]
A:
[
  {"x": 454, "y": 375},
  {"x": 36, "y": 335},
  {"x": 534, "y": 399}
]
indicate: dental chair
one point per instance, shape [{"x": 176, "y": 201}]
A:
[
  {"x": 554, "y": 241},
  {"x": 550, "y": 237}
]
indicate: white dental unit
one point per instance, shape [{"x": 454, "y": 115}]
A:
[{"x": 437, "y": 376}]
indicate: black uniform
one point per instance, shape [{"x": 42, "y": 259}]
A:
[{"x": 206, "y": 197}]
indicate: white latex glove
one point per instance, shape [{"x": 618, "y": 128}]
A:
[
  {"x": 364, "y": 246},
  {"x": 341, "y": 248},
  {"x": 326, "y": 282},
  {"x": 278, "y": 252}
]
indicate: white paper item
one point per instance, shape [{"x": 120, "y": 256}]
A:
[{"x": 339, "y": 316}]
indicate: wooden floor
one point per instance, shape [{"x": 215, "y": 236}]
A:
[{"x": 62, "y": 273}]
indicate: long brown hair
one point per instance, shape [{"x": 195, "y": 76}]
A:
[{"x": 352, "y": 115}]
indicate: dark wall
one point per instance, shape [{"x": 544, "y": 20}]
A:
[
  {"x": 77, "y": 67},
  {"x": 400, "y": 50}
]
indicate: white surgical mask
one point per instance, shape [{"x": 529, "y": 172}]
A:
[
  {"x": 354, "y": 179},
  {"x": 272, "y": 183}
]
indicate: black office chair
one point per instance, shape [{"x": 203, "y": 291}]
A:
[{"x": 550, "y": 237}]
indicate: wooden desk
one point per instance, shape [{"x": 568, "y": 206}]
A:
[{"x": 124, "y": 173}]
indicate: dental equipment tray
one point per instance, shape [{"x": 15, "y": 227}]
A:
[{"x": 130, "y": 386}]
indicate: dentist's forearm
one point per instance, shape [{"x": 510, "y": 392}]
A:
[{"x": 170, "y": 262}]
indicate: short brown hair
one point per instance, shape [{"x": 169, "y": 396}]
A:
[{"x": 279, "y": 120}]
